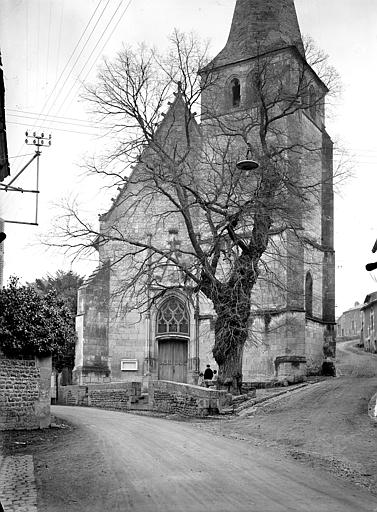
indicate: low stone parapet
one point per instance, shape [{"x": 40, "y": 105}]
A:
[
  {"x": 186, "y": 399},
  {"x": 25, "y": 393},
  {"x": 118, "y": 396}
]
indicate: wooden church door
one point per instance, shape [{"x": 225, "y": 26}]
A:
[{"x": 172, "y": 359}]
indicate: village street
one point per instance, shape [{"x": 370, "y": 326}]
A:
[
  {"x": 117, "y": 461},
  {"x": 126, "y": 462}
]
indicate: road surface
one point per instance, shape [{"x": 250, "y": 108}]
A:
[
  {"x": 124, "y": 462},
  {"x": 325, "y": 424}
]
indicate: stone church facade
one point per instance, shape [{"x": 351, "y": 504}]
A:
[{"x": 172, "y": 338}]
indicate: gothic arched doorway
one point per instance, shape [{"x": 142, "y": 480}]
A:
[{"x": 172, "y": 332}]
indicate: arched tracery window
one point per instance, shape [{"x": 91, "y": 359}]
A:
[
  {"x": 236, "y": 92},
  {"x": 173, "y": 318},
  {"x": 309, "y": 294}
]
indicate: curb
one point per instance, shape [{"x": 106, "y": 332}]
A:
[{"x": 249, "y": 409}]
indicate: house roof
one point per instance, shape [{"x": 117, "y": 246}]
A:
[{"x": 369, "y": 300}]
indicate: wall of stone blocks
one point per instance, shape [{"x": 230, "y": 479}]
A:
[
  {"x": 185, "y": 399},
  {"x": 91, "y": 354},
  {"x": 282, "y": 335},
  {"x": 314, "y": 346},
  {"x": 115, "y": 396},
  {"x": 25, "y": 393}
]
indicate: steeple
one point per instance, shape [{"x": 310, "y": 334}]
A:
[{"x": 260, "y": 26}]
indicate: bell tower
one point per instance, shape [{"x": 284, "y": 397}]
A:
[{"x": 265, "y": 40}]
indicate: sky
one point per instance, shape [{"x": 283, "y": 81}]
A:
[{"x": 50, "y": 47}]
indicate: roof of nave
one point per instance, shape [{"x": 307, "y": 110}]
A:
[{"x": 175, "y": 121}]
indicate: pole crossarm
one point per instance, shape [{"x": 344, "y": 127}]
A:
[
  {"x": 37, "y": 153},
  {"x": 38, "y": 141}
]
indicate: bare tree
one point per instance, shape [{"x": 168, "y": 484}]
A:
[{"x": 229, "y": 228}]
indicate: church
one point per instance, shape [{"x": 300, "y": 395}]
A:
[{"x": 138, "y": 320}]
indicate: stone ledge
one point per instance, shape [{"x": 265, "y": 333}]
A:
[{"x": 186, "y": 399}]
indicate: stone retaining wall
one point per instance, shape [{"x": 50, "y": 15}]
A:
[
  {"x": 117, "y": 396},
  {"x": 25, "y": 393},
  {"x": 185, "y": 399}
]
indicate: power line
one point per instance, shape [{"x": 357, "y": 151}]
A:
[
  {"x": 19, "y": 156},
  {"x": 67, "y": 63},
  {"x": 91, "y": 54},
  {"x": 78, "y": 57},
  {"x": 82, "y": 123},
  {"x": 70, "y": 58},
  {"x": 124, "y": 12},
  {"x": 54, "y": 128},
  {"x": 50, "y": 115},
  {"x": 59, "y": 39}
]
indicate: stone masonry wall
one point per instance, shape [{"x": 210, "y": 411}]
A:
[
  {"x": 25, "y": 393},
  {"x": 117, "y": 396},
  {"x": 185, "y": 399}
]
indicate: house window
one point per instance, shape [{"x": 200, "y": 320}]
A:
[
  {"x": 372, "y": 320},
  {"x": 309, "y": 294},
  {"x": 173, "y": 318},
  {"x": 353, "y": 325},
  {"x": 236, "y": 92}
]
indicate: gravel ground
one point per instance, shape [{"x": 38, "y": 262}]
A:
[{"x": 324, "y": 425}]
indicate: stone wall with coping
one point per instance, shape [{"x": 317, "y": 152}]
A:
[
  {"x": 118, "y": 396},
  {"x": 25, "y": 393},
  {"x": 185, "y": 399}
]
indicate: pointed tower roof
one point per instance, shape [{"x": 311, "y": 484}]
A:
[{"x": 259, "y": 26}]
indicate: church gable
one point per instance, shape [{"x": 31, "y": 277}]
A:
[{"x": 177, "y": 137}]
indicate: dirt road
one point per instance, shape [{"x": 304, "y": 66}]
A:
[
  {"x": 123, "y": 462},
  {"x": 325, "y": 425},
  {"x": 110, "y": 461}
]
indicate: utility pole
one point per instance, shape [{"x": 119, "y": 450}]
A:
[{"x": 38, "y": 141}]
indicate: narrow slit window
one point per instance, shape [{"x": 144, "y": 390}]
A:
[
  {"x": 309, "y": 295},
  {"x": 236, "y": 92},
  {"x": 312, "y": 102}
]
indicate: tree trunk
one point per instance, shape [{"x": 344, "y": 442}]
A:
[
  {"x": 232, "y": 303},
  {"x": 231, "y": 332},
  {"x": 230, "y": 372}
]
